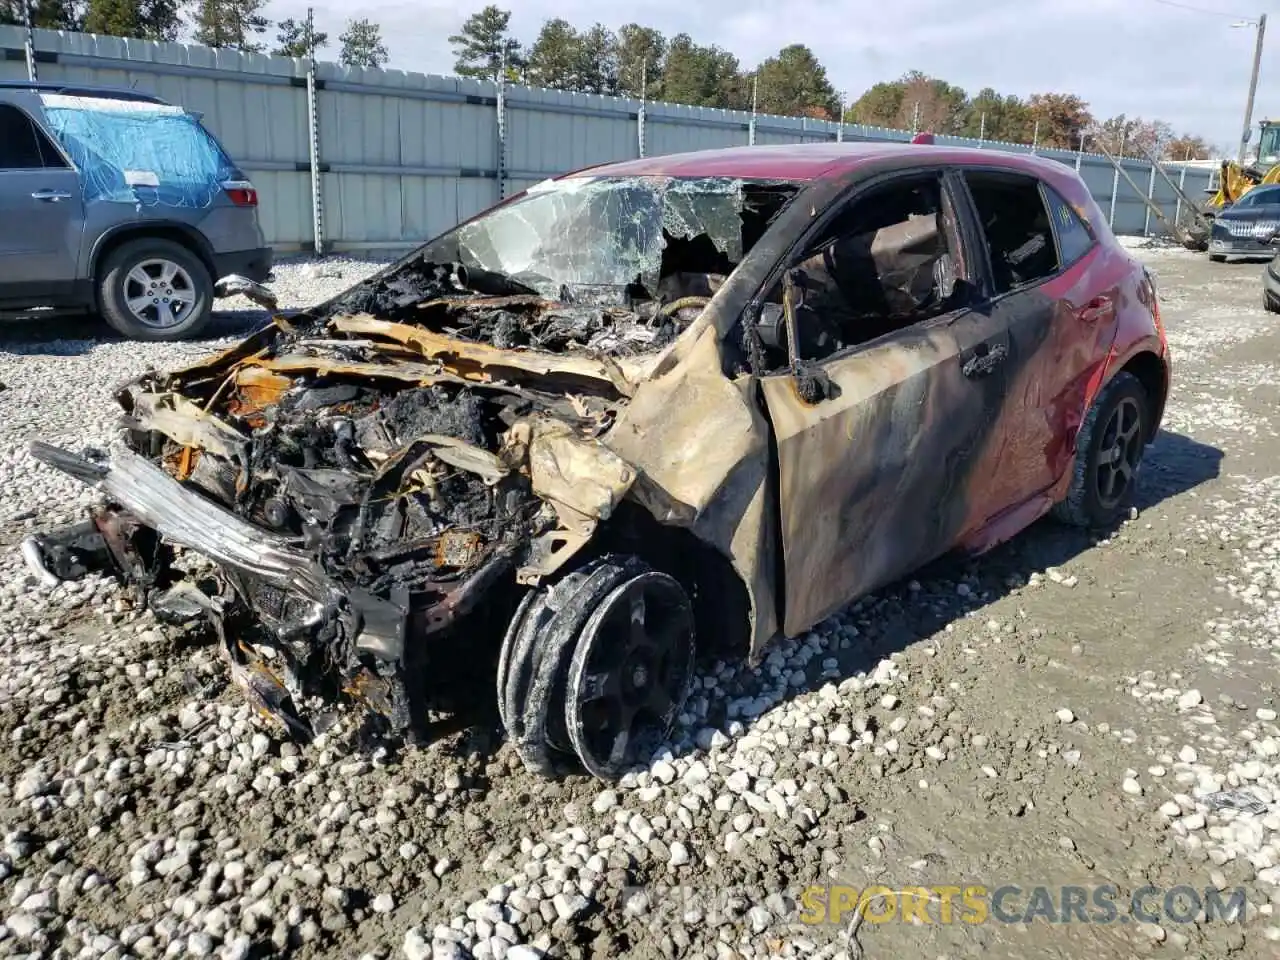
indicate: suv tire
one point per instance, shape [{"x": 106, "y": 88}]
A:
[{"x": 183, "y": 290}]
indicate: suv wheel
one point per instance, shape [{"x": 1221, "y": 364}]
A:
[{"x": 155, "y": 289}]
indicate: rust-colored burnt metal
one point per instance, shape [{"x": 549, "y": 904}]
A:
[{"x": 773, "y": 399}]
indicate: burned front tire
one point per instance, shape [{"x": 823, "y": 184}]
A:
[
  {"x": 1109, "y": 450},
  {"x": 631, "y": 671},
  {"x": 595, "y": 663}
]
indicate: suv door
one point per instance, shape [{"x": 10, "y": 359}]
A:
[
  {"x": 877, "y": 471},
  {"x": 42, "y": 208},
  {"x": 1038, "y": 254}
]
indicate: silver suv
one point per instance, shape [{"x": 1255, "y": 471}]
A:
[{"x": 117, "y": 202}]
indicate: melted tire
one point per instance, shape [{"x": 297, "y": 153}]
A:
[
  {"x": 536, "y": 654},
  {"x": 668, "y": 684},
  {"x": 505, "y": 656},
  {"x": 1082, "y": 506}
]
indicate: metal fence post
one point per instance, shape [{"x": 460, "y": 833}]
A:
[
  {"x": 1080, "y": 153},
  {"x": 313, "y": 138},
  {"x": 501, "y": 121},
  {"x": 1115, "y": 184},
  {"x": 1182, "y": 185},
  {"x": 840, "y": 129},
  {"x": 640, "y": 114},
  {"x": 30, "y": 42},
  {"x": 751, "y": 127},
  {"x": 1151, "y": 195}
]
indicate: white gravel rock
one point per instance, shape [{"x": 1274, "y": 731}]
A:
[{"x": 810, "y": 718}]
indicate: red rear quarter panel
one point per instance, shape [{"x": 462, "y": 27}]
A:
[
  {"x": 1057, "y": 385},
  {"x": 1136, "y": 325}
]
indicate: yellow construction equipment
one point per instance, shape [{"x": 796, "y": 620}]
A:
[{"x": 1236, "y": 180}]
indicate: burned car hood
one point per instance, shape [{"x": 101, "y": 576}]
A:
[
  {"x": 363, "y": 475},
  {"x": 341, "y": 430},
  {"x": 361, "y": 479}
]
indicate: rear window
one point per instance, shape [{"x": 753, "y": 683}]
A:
[{"x": 139, "y": 153}]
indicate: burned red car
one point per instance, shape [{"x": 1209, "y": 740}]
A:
[{"x": 717, "y": 395}]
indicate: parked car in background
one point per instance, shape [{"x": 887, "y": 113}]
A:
[
  {"x": 718, "y": 394},
  {"x": 117, "y": 202},
  {"x": 1245, "y": 228},
  {"x": 1271, "y": 282}
]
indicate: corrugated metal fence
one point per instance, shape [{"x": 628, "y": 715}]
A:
[{"x": 404, "y": 156}]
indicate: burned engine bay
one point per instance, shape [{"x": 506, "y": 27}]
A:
[{"x": 377, "y": 481}]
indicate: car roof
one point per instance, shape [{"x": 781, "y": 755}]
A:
[
  {"x": 80, "y": 90},
  {"x": 812, "y": 161}
]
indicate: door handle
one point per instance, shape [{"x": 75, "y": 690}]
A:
[
  {"x": 52, "y": 196},
  {"x": 1095, "y": 309},
  {"x": 983, "y": 361}
]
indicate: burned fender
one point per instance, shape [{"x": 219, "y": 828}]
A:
[{"x": 711, "y": 474}]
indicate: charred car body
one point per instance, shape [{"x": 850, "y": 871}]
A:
[{"x": 714, "y": 395}]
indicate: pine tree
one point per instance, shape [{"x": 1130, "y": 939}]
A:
[
  {"x": 47, "y": 14},
  {"x": 231, "y": 23},
  {"x": 555, "y": 57},
  {"x": 362, "y": 45},
  {"x": 483, "y": 43},
  {"x": 297, "y": 38},
  {"x": 641, "y": 52},
  {"x": 793, "y": 83},
  {"x": 147, "y": 19},
  {"x": 598, "y": 62}
]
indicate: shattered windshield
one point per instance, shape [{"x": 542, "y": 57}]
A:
[{"x": 598, "y": 231}]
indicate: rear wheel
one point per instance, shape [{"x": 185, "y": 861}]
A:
[
  {"x": 154, "y": 289},
  {"x": 1217, "y": 258},
  {"x": 1269, "y": 303},
  {"x": 1109, "y": 452}
]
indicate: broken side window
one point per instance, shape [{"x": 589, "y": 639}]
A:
[
  {"x": 147, "y": 154},
  {"x": 1016, "y": 227},
  {"x": 887, "y": 261}
]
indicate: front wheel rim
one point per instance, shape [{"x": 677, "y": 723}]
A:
[
  {"x": 631, "y": 671},
  {"x": 159, "y": 293},
  {"x": 1119, "y": 453}
]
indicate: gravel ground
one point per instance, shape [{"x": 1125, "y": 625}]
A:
[{"x": 1064, "y": 711}]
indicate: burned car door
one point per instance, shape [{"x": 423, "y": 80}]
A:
[
  {"x": 1044, "y": 284},
  {"x": 881, "y": 418}
]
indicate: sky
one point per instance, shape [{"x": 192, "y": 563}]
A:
[{"x": 1181, "y": 61}]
